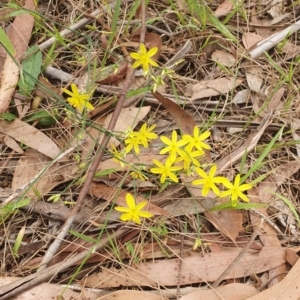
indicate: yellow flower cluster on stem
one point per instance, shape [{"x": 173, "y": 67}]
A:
[{"x": 184, "y": 154}]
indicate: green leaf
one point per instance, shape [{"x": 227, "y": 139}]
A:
[
  {"x": 8, "y": 116},
  {"x": 46, "y": 119},
  {"x": 104, "y": 172},
  {"x": 4, "y": 40},
  {"x": 82, "y": 236},
  {"x": 18, "y": 241},
  {"x": 31, "y": 69},
  {"x": 139, "y": 91},
  {"x": 228, "y": 205}
]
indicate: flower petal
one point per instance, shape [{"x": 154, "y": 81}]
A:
[
  {"x": 130, "y": 201},
  {"x": 152, "y": 52},
  {"x": 126, "y": 217},
  {"x": 141, "y": 205},
  {"x": 145, "y": 214},
  {"x": 122, "y": 209}
]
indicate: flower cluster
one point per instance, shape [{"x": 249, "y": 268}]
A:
[
  {"x": 133, "y": 141},
  {"x": 183, "y": 155}
]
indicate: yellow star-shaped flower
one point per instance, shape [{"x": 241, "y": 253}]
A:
[
  {"x": 236, "y": 190},
  {"x": 165, "y": 170},
  {"x": 143, "y": 57},
  {"x": 77, "y": 100},
  {"x": 133, "y": 212},
  {"x": 197, "y": 140},
  {"x": 209, "y": 181}
]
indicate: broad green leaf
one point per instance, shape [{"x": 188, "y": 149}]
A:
[
  {"x": 18, "y": 241},
  {"x": 46, "y": 119},
  {"x": 82, "y": 236},
  {"x": 8, "y": 116},
  {"x": 31, "y": 69},
  {"x": 4, "y": 40},
  {"x": 104, "y": 172},
  {"x": 139, "y": 91}
]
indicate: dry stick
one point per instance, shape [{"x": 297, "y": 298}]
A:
[
  {"x": 273, "y": 40},
  {"x": 16, "y": 287},
  {"x": 74, "y": 27},
  {"x": 240, "y": 256},
  {"x": 90, "y": 175},
  {"x": 143, "y": 22}
]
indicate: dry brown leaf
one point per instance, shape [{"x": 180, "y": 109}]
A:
[
  {"x": 254, "y": 79},
  {"x": 12, "y": 144},
  {"x": 288, "y": 288},
  {"x": 19, "y": 33},
  {"x": 48, "y": 291},
  {"x": 224, "y": 58},
  {"x": 125, "y": 295},
  {"x": 229, "y": 222},
  {"x": 215, "y": 87},
  {"x": 211, "y": 44},
  {"x": 242, "y": 96},
  {"x": 251, "y": 39},
  {"x": 291, "y": 255},
  {"x": 30, "y": 136},
  {"x": 182, "y": 207},
  {"x": 194, "y": 269},
  {"x": 232, "y": 291},
  {"x": 224, "y": 8},
  {"x": 184, "y": 121},
  {"x": 31, "y": 163},
  {"x": 274, "y": 104}
]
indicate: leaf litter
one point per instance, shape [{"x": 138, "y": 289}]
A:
[{"x": 48, "y": 148}]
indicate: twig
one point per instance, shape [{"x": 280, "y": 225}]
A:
[
  {"x": 273, "y": 40},
  {"x": 14, "y": 288},
  {"x": 143, "y": 22},
  {"x": 240, "y": 256},
  {"x": 45, "y": 45}
]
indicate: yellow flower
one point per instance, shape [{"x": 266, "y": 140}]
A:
[
  {"x": 144, "y": 58},
  {"x": 77, "y": 100},
  {"x": 145, "y": 134},
  {"x": 236, "y": 190},
  {"x": 173, "y": 146},
  {"x": 165, "y": 170},
  {"x": 133, "y": 212},
  {"x": 137, "y": 174},
  {"x": 189, "y": 158},
  {"x": 196, "y": 140},
  {"x": 209, "y": 181},
  {"x": 117, "y": 155},
  {"x": 133, "y": 141}
]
